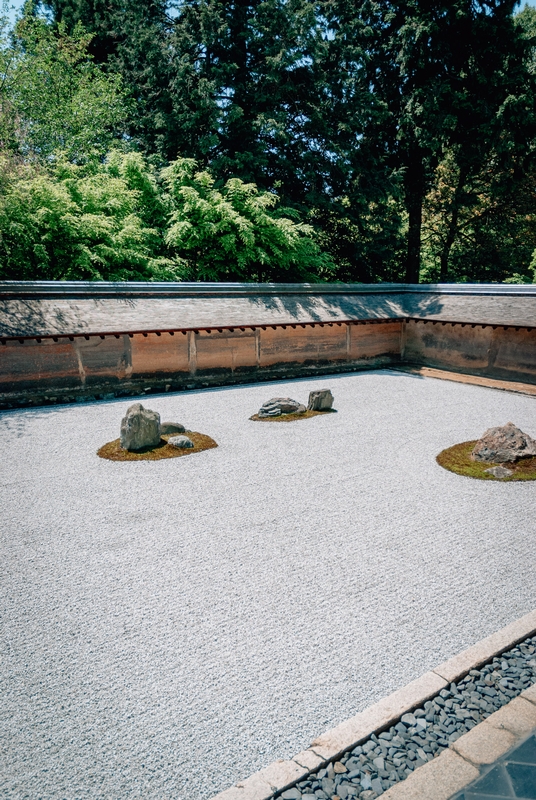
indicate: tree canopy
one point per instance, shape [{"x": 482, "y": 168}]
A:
[{"x": 360, "y": 140}]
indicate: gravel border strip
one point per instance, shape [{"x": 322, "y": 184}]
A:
[
  {"x": 517, "y": 387},
  {"x": 379, "y": 720}
]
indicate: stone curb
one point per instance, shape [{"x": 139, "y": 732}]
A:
[
  {"x": 458, "y": 766},
  {"x": 475, "y": 380},
  {"x": 329, "y": 746}
]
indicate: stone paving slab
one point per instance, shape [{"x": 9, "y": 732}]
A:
[
  {"x": 513, "y": 776},
  {"x": 475, "y": 380}
]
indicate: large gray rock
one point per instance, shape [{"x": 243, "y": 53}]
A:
[
  {"x": 182, "y": 442},
  {"x": 281, "y": 405},
  {"x": 171, "y": 427},
  {"x": 320, "y": 400},
  {"x": 140, "y": 428},
  {"x": 505, "y": 443}
]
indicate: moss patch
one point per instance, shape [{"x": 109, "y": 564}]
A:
[
  {"x": 114, "y": 452},
  {"x": 291, "y": 417},
  {"x": 458, "y": 459}
]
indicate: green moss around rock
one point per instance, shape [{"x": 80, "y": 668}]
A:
[
  {"x": 458, "y": 459},
  {"x": 114, "y": 452}
]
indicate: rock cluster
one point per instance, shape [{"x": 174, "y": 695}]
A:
[
  {"x": 319, "y": 400},
  {"x": 141, "y": 428},
  {"x": 505, "y": 443},
  {"x": 370, "y": 769}
]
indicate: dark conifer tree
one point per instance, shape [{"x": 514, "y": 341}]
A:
[{"x": 439, "y": 73}]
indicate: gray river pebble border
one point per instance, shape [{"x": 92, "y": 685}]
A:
[{"x": 374, "y": 766}]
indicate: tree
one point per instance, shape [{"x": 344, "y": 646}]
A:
[
  {"x": 120, "y": 219},
  {"x": 441, "y": 76},
  {"x": 53, "y": 97},
  {"x": 132, "y": 40},
  {"x": 81, "y": 223},
  {"x": 479, "y": 205},
  {"x": 235, "y": 233}
]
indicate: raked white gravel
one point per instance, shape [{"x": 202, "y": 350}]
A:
[{"x": 170, "y": 627}]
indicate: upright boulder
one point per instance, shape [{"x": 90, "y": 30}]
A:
[
  {"x": 505, "y": 443},
  {"x": 281, "y": 405},
  {"x": 140, "y": 428},
  {"x": 320, "y": 400}
]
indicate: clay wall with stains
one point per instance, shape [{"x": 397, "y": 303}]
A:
[
  {"x": 48, "y": 369},
  {"x": 45, "y": 369},
  {"x": 504, "y": 352}
]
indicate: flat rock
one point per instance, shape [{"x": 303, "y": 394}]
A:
[
  {"x": 505, "y": 443},
  {"x": 281, "y": 405},
  {"x": 182, "y": 442},
  {"x": 499, "y": 472},
  {"x": 140, "y": 428},
  {"x": 171, "y": 427},
  {"x": 320, "y": 400},
  {"x": 292, "y": 794}
]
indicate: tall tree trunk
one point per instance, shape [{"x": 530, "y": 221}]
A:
[
  {"x": 453, "y": 225},
  {"x": 415, "y": 187}
]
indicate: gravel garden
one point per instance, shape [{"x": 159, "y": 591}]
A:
[{"x": 174, "y": 625}]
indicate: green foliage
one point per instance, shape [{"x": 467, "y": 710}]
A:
[
  {"x": 76, "y": 223},
  {"x": 120, "y": 220},
  {"x": 53, "y": 97},
  {"x": 403, "y": 133},
  {"x": 234, "y": 233}
]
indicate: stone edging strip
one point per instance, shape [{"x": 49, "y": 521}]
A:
[
  {"x": 460, "y": 765},
  {"x": 462, "y": 377},
  {"x": 282, "y": 774}
]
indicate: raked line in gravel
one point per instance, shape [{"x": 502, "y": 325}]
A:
[{"x": 173, "y": 626}]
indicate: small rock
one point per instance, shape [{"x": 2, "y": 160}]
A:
[
  {"x": 505, "y": 443},
  {"x": 171, "y": 427},
  {"x": 140, "y": 428},
  {"x": 320, "y": 400},
  {"x": 281, "y": 405},
  {"x": 182, "y": 442},
  {"x": 292, "y": 794},
  {"x": 339, "y": 768},
  {"x": 379, "y": 763},
  {"x": 499, "y": 472},
  {"x": 408, "y": 719}
]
